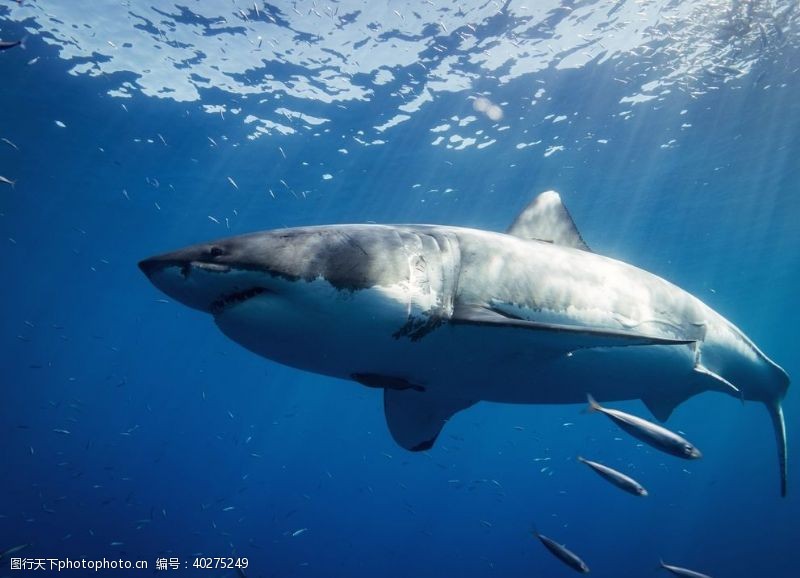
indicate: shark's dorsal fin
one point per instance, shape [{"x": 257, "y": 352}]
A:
[
  {"x": 415, "y": 418},
  {"x": 547, "y": 219}
]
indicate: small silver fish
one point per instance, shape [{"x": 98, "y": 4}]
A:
[
  {"x": 231, "y": 181},
  {"x": 13, "y": 550},
  {"x": 6, "y": 181},
  {"x": 652, "y": 434},
  {"x": 5, "y": 45},
  {"x": 678, "y": 571},
  {"x": 560, "y": 552},
  {"x": 617, "y": 478}
]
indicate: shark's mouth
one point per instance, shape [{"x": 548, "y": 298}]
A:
[{"x": 232, "y": 299}]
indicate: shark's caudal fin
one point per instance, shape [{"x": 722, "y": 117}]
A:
[
  {"x": 547, "y": 219},
  {"x": 776, "y": 413}
]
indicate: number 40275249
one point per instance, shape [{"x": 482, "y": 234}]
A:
[{"x": 222, "y": 563}]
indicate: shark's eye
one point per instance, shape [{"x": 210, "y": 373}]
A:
[{"x": 216, "y": 251}]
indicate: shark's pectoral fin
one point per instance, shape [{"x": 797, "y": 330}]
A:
[
  {"x": 776, "y": 413},
  {"x": 547, "y": 219},
  {"x": 555, "y": 335},
  {"x": 415, "y": 418}
]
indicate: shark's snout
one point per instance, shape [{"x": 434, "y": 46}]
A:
[
  {"x": 181, "y": 258},
  {"x": 172, "y": 274},
  {"x": 150, "y": 266},
  {"x": 198, "y": 278}
]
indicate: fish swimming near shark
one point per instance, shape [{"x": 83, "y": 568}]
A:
[
  {"x": 562, "y": 553},
  {"x": 650, "y": 433},
  {"x": 685, "y": 572},
  {"x": 617, "y": 478},
  {"x": 6, "y": 44},
  {"x": 442, "y": 317},
  {"x": 13, "y": 550}
]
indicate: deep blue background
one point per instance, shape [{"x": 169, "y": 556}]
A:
[{"x": 171, "y": 423}]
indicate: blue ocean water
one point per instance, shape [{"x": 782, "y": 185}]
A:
[{"x": 132, "y": 428}]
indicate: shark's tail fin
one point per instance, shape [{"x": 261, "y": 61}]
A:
[
  {"x": 593, "y": 405},
  {"x": 534, "y": 530},
  {"x": 776, "y": 413}
]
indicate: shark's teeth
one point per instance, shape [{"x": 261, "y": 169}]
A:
[
  {"x": 212, "y": 267},
  {"x": 235, "y": 298}
]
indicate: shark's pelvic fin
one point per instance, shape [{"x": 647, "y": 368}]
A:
[
  {"x": 776, "y": 413},
  {"x": 662, "y": 404},
  {"x": 415, "y": 418},
  {"x": 559, "y": 336},
  {"x": 547, "y": 219}
]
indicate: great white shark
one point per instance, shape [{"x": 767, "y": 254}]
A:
[{"x": 442, "y": 317}]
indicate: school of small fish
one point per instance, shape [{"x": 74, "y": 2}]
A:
[{"x": 650, "y": 433}]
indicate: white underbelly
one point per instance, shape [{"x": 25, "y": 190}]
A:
[{"x": 509, "y": 365}]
